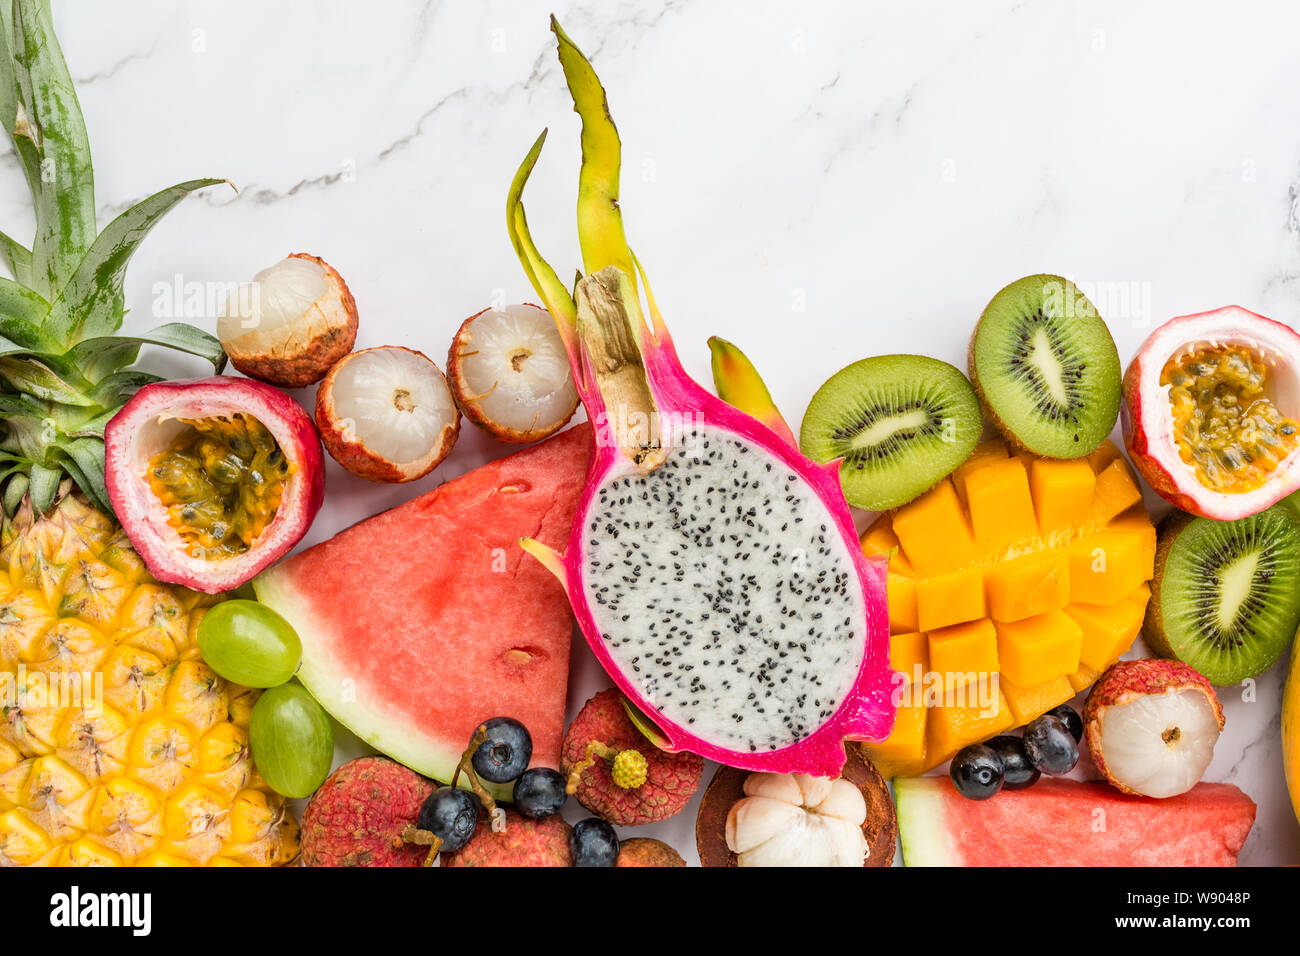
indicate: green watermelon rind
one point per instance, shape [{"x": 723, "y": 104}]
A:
[{"x": 922, "y": 834}]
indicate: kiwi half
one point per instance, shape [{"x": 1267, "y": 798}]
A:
[
  {"x": 1046, "y": 367},
  {"x": 1226, "y": 594},
  {"x": 899, "y": 424}
]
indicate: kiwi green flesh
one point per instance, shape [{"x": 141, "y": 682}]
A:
[
  {"x": 1046, "y": 367},
  {"x": 1226, "y": 595},
  {"x": 899, "y": 424}
]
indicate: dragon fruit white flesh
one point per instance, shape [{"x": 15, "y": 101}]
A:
[{"x": 713, "y": 569}]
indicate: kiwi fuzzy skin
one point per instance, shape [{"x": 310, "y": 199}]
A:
[{"x": 1153, "y": 627}]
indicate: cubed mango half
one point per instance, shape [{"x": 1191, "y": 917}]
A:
[{"x": 1039, "y": 649}]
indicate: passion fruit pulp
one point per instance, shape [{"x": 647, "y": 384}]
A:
[
  {"x": 213, "y": 479},
  {"x": 221, "y": 483},
  {"x": 1226, "y": 427},
  {"x": 1210, "y": 407}
]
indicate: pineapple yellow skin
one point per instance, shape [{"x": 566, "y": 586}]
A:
[{"x": 157, "y": 771}]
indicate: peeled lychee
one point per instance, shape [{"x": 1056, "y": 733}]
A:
[
  {"x": 357, "y": 816},
  {"x": 642, "y": 851},
  {"x": 386, "y": 414},
  {"x": 509, "y": 372},
  {"x": 616, "y": 773},
  {"x": 523, "y": 842},
  {"x": 1152, "y": 726}
]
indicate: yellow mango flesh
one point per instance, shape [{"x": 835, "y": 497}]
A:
[{"x": 1012, "y": 586}]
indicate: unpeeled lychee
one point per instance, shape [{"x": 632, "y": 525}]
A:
[
  {"x": 641, "y": 851},
  {"x": 1152, "y": 726},
  {"x": 523, "y": 842},
  {"x": 357, "y": 816},
  {"x": 616, "y": 773}
]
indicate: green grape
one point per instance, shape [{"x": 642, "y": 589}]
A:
[
  {"x": 248, "y": 643},
  {"x": 292, "y": 740}
]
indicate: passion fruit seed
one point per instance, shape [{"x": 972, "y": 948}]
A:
[
  {"x": 628, "y": 768},
  {"x": 1226, "y": 429},
  {"x": 221, "y": 482}
]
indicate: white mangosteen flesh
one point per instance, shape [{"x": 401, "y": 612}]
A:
[{"x": 797, "y": 820}]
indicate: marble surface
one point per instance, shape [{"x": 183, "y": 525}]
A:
[{"x": 816, "y": 181}]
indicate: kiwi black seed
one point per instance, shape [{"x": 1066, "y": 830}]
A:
[
  {"x": 1046, "y": 368},
  {"x": 899, "y": 424},
  {"x": 1226, "y": 594}
]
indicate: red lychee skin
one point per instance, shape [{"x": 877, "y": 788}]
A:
[
  {"x": 671, "y": 779},
  {"x": 1124, "y": 682},
  {"x": 313, "y": 357},
  {"x": 357, "y": 816},
  {"x": 640, "y": 851},
  {"x": 524, "y": 842}
]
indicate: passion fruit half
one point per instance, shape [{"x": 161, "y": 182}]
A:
[
  {"x": 727, "y": 787},
  {"x": 213, "y": 479},
  {"x": 1211, "y": 403}
]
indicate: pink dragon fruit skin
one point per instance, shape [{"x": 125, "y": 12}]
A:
[{"x": 866, "y": 711}]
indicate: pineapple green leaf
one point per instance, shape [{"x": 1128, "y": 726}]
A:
[
  {"x": 21, "y": 312},
  {"x": 90, "y": 304},
  {"x": 64, "y": 190},
  {"x": 36, "y": 378},
  {"x": 84, "y": 461},
  {"x": 13, "y": 405},
  {"x": 15, "y": 489},
  {"x": 17, "y": 122},
  {"x": 179, "y": 336},
  {"x": 43, "y": 485},
  {"x": 92, "y": 427},
  {"x": 17, "y": 256},
  {"x": 113, "y": 390}
]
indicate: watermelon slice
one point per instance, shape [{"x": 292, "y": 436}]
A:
[
  {"x": 423, "y": 621},
  {"x": 1067, "y": 823}
]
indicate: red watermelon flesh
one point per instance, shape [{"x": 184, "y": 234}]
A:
[
  {"x": 1067, "y": 823},
  {"x": 423, "y": 621}
]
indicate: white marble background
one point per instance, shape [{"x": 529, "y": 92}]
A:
[{"x": 816, "y": 181}]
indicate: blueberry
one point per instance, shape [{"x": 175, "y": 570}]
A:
[
  {"x": 593, "y": 843},
  {"x": 450, "y": 814},
  {"x": 976, "y": 772},
  {"x": 1070, "y": 716},
  {"x": 1050, "y": 745},
  {"x": 540, "y": 792},
  {"x": 505, "y": 753},
  {"x": 1017, "y": 771}
]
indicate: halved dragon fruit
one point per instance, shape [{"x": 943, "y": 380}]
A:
[{"x": 714, "y": 570}]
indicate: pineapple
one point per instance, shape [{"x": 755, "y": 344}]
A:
[{"x": 118, "y": 745}]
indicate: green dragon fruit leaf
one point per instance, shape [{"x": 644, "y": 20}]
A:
[
  {"x": 90, "y": 304},
  {"x": 600, "y": 222},
  {"x": 48, "y": 116},
  {"x": 539, "y": 272}
]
